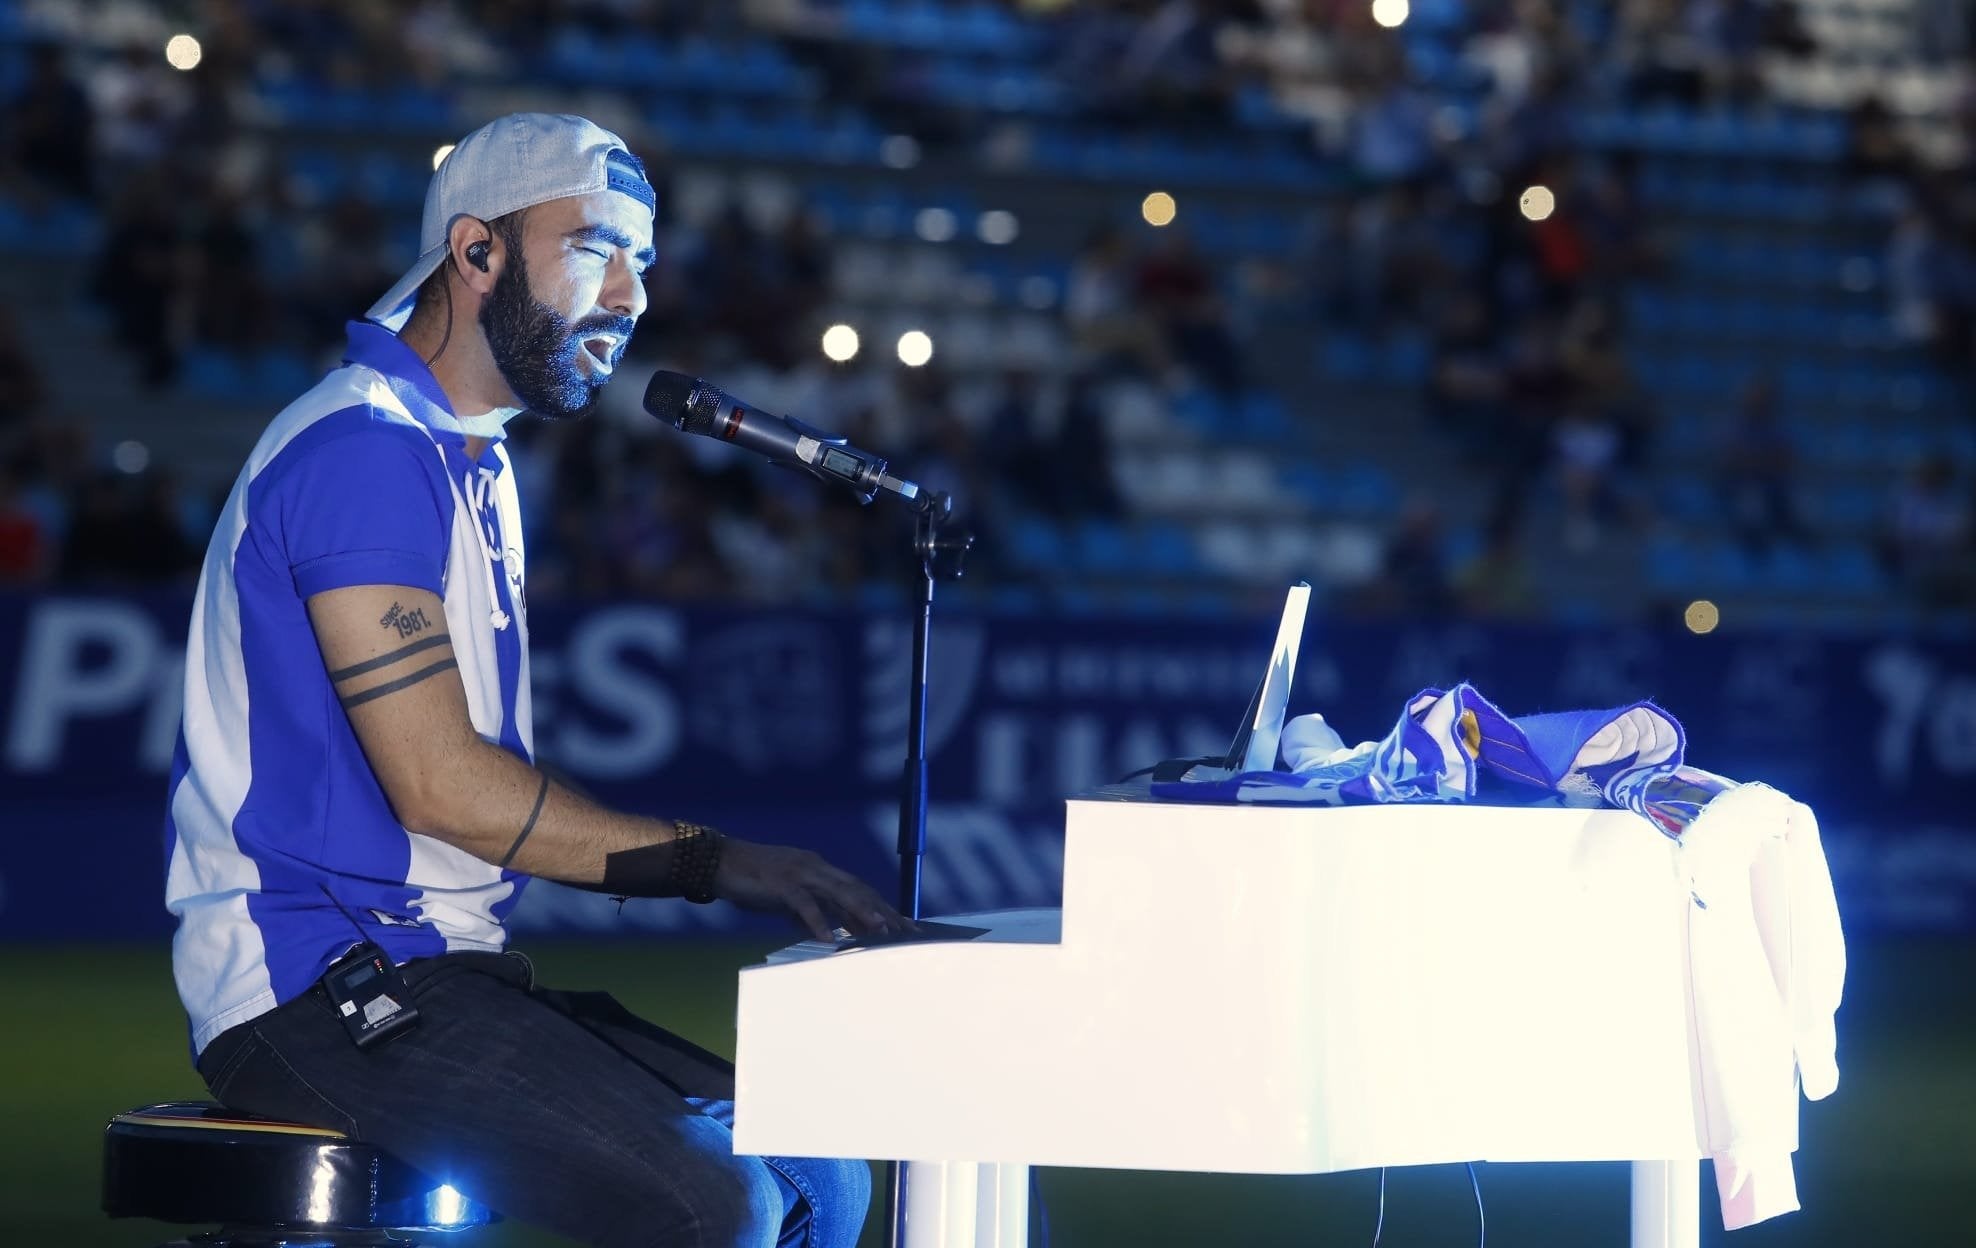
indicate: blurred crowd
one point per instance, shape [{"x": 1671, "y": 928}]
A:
[{"x": 206, "y": 242}]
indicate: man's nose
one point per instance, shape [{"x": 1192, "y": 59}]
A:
[{"x": 626, "y": 294}]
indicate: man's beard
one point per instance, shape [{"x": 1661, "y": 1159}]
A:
[{"x": 539, "y": 352}]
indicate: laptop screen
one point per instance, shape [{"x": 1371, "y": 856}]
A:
[{"x": 1261, "y": 730}]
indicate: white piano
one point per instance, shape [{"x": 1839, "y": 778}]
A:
[{"x": 1261, "y": 990}]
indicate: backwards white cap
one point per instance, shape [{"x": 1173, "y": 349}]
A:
[{"x": 509, "y": 164}]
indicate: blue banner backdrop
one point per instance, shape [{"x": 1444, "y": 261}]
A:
[{"x": 791, "y": 726}]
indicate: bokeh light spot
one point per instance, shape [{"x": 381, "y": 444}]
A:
[
  {"x": 1702, "y": 616},
  {"x": 915, "y": 348},
  {"x": 840, "y": 343},
  {"x": 997, "y": 228},
  {"x": 130, "y": 457},
  {"x": 1159, "y": 208},
  {"x": 1537, "y": 203},
  {"x": 183, "y": 52},
  {"x": 935, "y": 225}
]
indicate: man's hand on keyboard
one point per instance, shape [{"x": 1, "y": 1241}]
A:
[{"x": 820, "y": 896}]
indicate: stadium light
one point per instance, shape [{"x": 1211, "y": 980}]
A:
[
  {"x": 1158, "y": 209},
  {"x": 183, "y": 52},
  {"x": 935, "y": 225},
  {"x": 440, "y": 153},
  {"x": 997, "y": 227},
  {"x": 1537, "y": 203},
  {"x": 915, "y": 348},
  {"x": 1389, "y": 13},
  {"x": 840, "y": 343},
  {"x": 1701, "y": 616}
]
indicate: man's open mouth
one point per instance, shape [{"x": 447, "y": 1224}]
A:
[{"x": 601, "y": 348}]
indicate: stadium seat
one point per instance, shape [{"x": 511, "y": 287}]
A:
[{"x": 267, "y": 1182}]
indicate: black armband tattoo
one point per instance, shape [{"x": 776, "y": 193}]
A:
[
  {"x": 403, "y": 682},
  {"x": 541, "y": 794},
  {"x": 386, "y": 660}
]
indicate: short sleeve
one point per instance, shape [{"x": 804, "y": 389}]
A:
[{"x": 366, "y": 505}]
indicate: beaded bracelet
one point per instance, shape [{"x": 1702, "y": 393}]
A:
[{"x": 695, "y": 860}]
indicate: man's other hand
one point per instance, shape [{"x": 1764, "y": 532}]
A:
[{"x": 780, "y": 877}]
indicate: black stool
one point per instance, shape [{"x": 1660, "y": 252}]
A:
[{"x": 268, "y": 1183}]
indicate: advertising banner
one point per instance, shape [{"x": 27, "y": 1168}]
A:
[{"x": 791, "y": 726}]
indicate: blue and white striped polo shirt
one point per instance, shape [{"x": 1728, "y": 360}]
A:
[{"x": 275, "y": 818}]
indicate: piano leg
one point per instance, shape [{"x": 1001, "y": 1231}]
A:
[
  {"x": 1002, "y": 1215},
  {"x": 1667, "y": 1204},
  {"x": 966, "y": 1204}
]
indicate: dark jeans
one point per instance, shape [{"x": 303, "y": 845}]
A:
[{"x": 559, "y": 1109}]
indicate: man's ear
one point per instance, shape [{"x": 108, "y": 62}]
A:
[{"x": 477, "y": 255}]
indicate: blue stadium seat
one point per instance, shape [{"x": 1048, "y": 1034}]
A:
[
  {"x": 1261, "y": 416},
  {"x": 1790, "y": 570},
  {"x": 278, "y": 372},
  {"x": 210, "y": 371},
  {"x": 1688, "y": 499},
  {"x": 1166, "y": 549},
  {"x": 1851, "y": 568},
  {"x": 1671, "y": 566},
  {"x": 1104, "y": 547},
  {"x": 1404, "y": 360},
  {"x": 1363, "y": 488},
  {"x": 1202, "y": 410},
  {"x": 1344, "y": 356},
  {"x": 1034, "y": 545}
]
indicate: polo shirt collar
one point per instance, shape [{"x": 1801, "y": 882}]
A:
[{"x": 384, "y": 352}]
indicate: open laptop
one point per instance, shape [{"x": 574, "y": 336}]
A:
[{"x": 1260, "y": 731}]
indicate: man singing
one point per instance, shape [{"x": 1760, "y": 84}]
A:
[{"x": 355, "y": 767}]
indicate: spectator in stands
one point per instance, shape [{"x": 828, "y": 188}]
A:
[
  {"x": 140, "y": 276},
  {"x": 50, "y": 125},
  {"x": 21, "y": 390},
  {"x": 140, "y": 99},
  {"x": 1757, "y": 471},
  {"x": 1466, "y": 380},
  {"x": 1108, "y": 326},
  {"x": 1393, "y": 138},
  {"x": 1413, "y": 575},
  {"x": 1585, "y": 444},
  {"x": 231, "y": 306},
  {"x": 1658, "y": 53},
  {"x": 126, "y": 531},
  {"x": 1176, "y": 287},
  {"x": 1496, "y": 583},
  {"x": 1931, "y": 280},
  {"x": 1928, "y": 536},
  {"x": 344, "y": 258},
  {"x": 1080, "y": 458},
  {"x": 24, "y": 554}
]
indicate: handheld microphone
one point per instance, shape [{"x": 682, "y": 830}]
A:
[{"x": 692, "y": 406}]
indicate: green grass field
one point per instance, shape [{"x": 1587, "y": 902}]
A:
[{"x": 1889, "y": 1160}]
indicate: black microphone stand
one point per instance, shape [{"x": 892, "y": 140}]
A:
[{"x": 941, "y": 544}]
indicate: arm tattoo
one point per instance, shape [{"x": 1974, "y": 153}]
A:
[
  {"x": 403, "y": 682},
  {"x": 528, "y": 827},
  {"x": 408, "y": 623},
  {"x": 386, "y": 660}
]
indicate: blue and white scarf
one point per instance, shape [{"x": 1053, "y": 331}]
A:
[{"x": 1454, "y": 745}]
